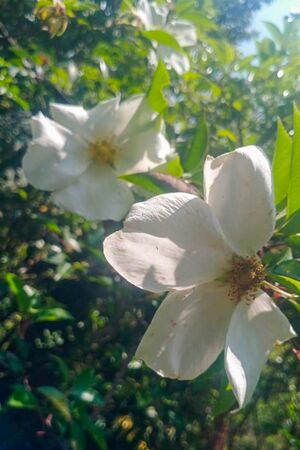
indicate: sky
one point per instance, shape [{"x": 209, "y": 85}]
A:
[{"x": 270, "y": 13}]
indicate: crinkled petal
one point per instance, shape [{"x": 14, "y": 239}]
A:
[
  {"x": 183, "y": 31},
  {"x": 171, "y": 241},
  {"x": 96, "y": 195},
  {"x": 178, "y": 61},
  {"x": 253, "y": 331},
  {"x": 239, "y": 188},
  {"x": 143, "y": 152},
  {"x": 55, "y": 156},
  {"x": 69, "y": 116},
  {"x": 187, "y": 332}
]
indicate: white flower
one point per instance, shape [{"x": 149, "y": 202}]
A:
[
  {"x": 155, "y": 17},
  {"x": 206, "y": 254},
  {"x": 80, "y": 154}
]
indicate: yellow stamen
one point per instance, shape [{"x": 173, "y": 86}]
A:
[
  {"x": 245, "y": 278},
  {"x": 104, "y": 151}
]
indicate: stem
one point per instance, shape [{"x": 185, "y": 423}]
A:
[
  {"x": 222, "y": 433},
  {"x": 279, "y": 290}
]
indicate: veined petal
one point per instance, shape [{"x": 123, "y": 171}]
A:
[
  {"x": 239, "y": 188},
  {"x": 183, "y": 31},
  {"x": 253, "y": 331},
  {"x": 55, "y": 156},
  {"x": 143, "y": 152},
  {"x": 171, "y": 241},
  {"x": 187, "y": 332},
  {"x": 70, "y": 116},
  {"x": 96, "y": 195}
]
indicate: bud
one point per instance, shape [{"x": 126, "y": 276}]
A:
[{"x": 54, "y": 17}]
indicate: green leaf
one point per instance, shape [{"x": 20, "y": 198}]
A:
[
  {"x": 287, "y": 274},
  {"x": 83, "y": 388},
  {"x": 9, "y": 361},
  {"x": 62, "y": 366},
  {"x": 22, "y": 398},
  {"x": 224, "y": 51},
  {"x": 52, "y": 226},
  {"x": 225, "y": 401},
  {"x": 265, "y": 48},
  {"x": 290, "y": 268},
  {"x": 292, "y": 226},
  {"x": 78, "y": 441},
  {"x": 144, "y": 181},
  {"x": 163, "y": 38},
  {"x": 198, "y": 149},
  {"x": 294, "y": 241},
  {"x": 281, "y": 163},
  {"x": 172, "y": 167},
  {"x": 62, "y": 271},
  {"x": 274, "y": 32},
  {"x": 155, "y": 94},
  {"x": 227, "y": 134},
  {"x": 17, "y": 288},
  {"x": 126, "y": 6},
  {"x": 290, "y": 284},
  {"x": 199, "y": 19},
  {"x": 57, "y": 399},
  {"x": 184, "y": 5},
  {"x": 272, "y": 259},
  {"x": 95, "y": 432},
  {"x": 293, "y": 203},
  {"x": 52, "y": 315}
]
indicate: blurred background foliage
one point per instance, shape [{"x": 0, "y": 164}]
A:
[{"x": 69, "y": 325}]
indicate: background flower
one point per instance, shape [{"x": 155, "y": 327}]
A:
[
  {"x": 80, "y": 154},
  {"x": 155, "y": 17}
]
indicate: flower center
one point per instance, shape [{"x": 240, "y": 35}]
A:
[
  {"x": 104, "y": 151},
  {"x": 245, "y": 278}
]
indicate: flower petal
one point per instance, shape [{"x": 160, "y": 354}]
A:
[
  {"x": 96, "y": 195},
  {"x": 55, "y": 156},
  {"x": 151, "y": 15},
  {"x": 171, "y": 241},
  {"x": 253, "y": 331},
  {"x": 142, "y": 119},
  {"x": 238, "y": 186},
  {"x": 101, "y": 119},
  {"x": 183, "y": 31},
  {"x": 125, "y": 113},
  {"x": 143, "y": 152},
  {"x": 187, "y": 332},
  {"x": 106, "y": 119},
  {"x": 69, "y": 116},
  {"x": 178, "y": 61}
]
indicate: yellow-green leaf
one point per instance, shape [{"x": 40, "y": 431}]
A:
[
  {"x": 293, "y": 203},
  {"x": 58, "y": 400},
  {"x": 155, "y": 95},
  {"x": 163, "y": 38},
  {"x": 281, "y": 163},
  {"x": 197, "y": 151}
]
